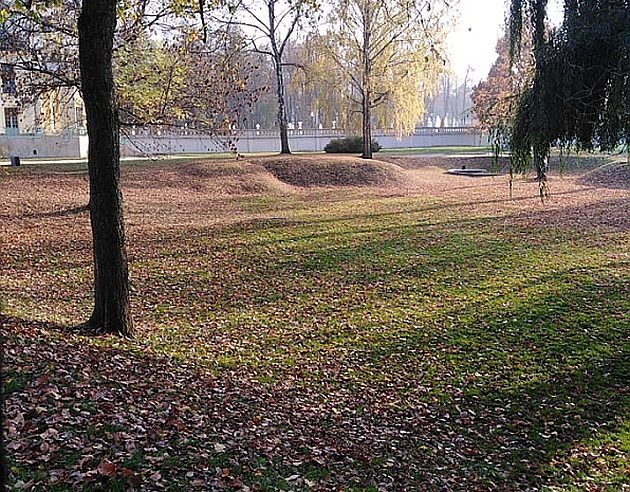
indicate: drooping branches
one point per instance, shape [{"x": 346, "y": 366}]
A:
[
  {"x": 384, "y": 59},
  {"x": 580, "y": 94},
  {"x": 496, "y": 99}
]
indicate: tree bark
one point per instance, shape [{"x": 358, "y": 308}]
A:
[
  {"x": 277, "y": 63},
  {"x": 282, "y": 113},
  {"x": 367, "y": 127},
  {"x": 366, "y": 101},
  {"x": 97, "y": 24}
]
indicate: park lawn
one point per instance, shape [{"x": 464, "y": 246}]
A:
[
  {"x": 451, "y": 150},
  {"x": 439, "y": 335}
]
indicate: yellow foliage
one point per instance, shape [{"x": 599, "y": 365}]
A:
[{"x": 387, "y": 51}]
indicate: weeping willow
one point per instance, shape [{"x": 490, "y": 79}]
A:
[{"x": 579, "y": 97}]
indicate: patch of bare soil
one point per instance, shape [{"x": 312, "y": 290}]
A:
[
  {"x": 615, "y": 175},
  {"x": 317, "y": 171}
]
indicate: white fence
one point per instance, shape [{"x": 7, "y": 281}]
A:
[
  {"x": 142, "y": 142},
  {"x": 43, "y": 146}
]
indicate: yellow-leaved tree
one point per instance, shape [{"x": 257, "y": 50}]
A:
[{"x": 379, "y": 60}]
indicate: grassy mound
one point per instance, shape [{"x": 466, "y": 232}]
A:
[
  {"x": 613, "y": 175},
  {"x": 332, "y": 171},
  {"x": 220, "y": 177}
]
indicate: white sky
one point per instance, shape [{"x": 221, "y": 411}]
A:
[{"x": 480, "y": 24}]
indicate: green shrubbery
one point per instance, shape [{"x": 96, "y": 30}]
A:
[{"x": 349, "y": 145}]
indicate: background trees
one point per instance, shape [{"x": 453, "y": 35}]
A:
[
  {"x": 271, "y": 25},
  {"x": 187, "y": 84},
  {"x": 383, "y": 58},
  {"x": 496, "y": 98}
]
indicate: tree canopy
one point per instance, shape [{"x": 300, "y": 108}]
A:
[
  {"x": 580, "y": 93},
  {"x": 382, "y": 58},
  {"x": 495, "y": 99}
]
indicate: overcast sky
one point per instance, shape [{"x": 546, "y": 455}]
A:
[{"x": 480, "y": 24}]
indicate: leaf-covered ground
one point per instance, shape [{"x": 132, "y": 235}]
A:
[{"x": 433, "y": 335}]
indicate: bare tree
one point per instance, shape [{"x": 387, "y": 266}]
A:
[{"x": 270, "y": 26}]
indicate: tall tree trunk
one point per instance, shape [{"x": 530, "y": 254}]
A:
[
  {"x": 367, "y": 127},
  {"x": 282, "y": 113},
  {"x": 366, "y": 101},
  {"x": 97, "y": 24},
  {"x": 277, "y": 63}
]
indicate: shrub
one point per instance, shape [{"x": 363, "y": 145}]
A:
[{"x": 349, "y": 145}]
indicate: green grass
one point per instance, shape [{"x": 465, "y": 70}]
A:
[
  {"x": 463, "y": 343},
  {"x": 454, "y": 150}
]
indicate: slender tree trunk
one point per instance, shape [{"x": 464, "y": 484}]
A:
[
  {"x": 366, "y": 101},
  {"x": 97, "y": 24},
  {"x": 277, "y": 62},
  {"x": 541, "y": 164},
  {"x": 282, "y": 112},
  {"x": 367, "y": 127}
]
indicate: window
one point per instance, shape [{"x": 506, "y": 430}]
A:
[
  {"x": 7, "y": 72},
  {"x": 11, "y": 120}
]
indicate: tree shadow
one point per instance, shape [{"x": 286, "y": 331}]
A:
[
  {"x": 68, "y": 212},
  {"x": 76, "y": 401}
]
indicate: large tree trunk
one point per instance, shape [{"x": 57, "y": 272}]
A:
[{"x": 97, "y": 24}]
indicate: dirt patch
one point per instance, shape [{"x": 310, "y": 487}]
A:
[
  {"x": 615, "y": 175},
  {"x": 333, "y": 171}
]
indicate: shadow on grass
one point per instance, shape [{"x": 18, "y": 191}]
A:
[
  {"x": 59, "y": 213},
  {"x": 80, "y": 401},
  {"x": 541, "y": 215}
]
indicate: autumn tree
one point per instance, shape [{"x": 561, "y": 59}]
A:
[
  {"x": 206, "y": 86},
  {"x": 385, "y": 58},
  {"x": 36, "y": 30},
  {"x": 40, "y": 41},
  {"x": 496, "y": 98},
  {"x": 97, "y": 25},
  {"x": 47, "y": 44},
  {"x": 317, "y": 84},
  {"x": 271, "y": 24},
  {"x": 580, "y": 93}
]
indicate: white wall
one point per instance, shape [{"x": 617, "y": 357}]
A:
[
  {"x": 43, "y": 146},
  {"x": 51, "y": 146},
  {"x": 299, "y": 140}
]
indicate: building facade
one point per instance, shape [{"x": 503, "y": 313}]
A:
[{"x": 57, "y": 112}]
